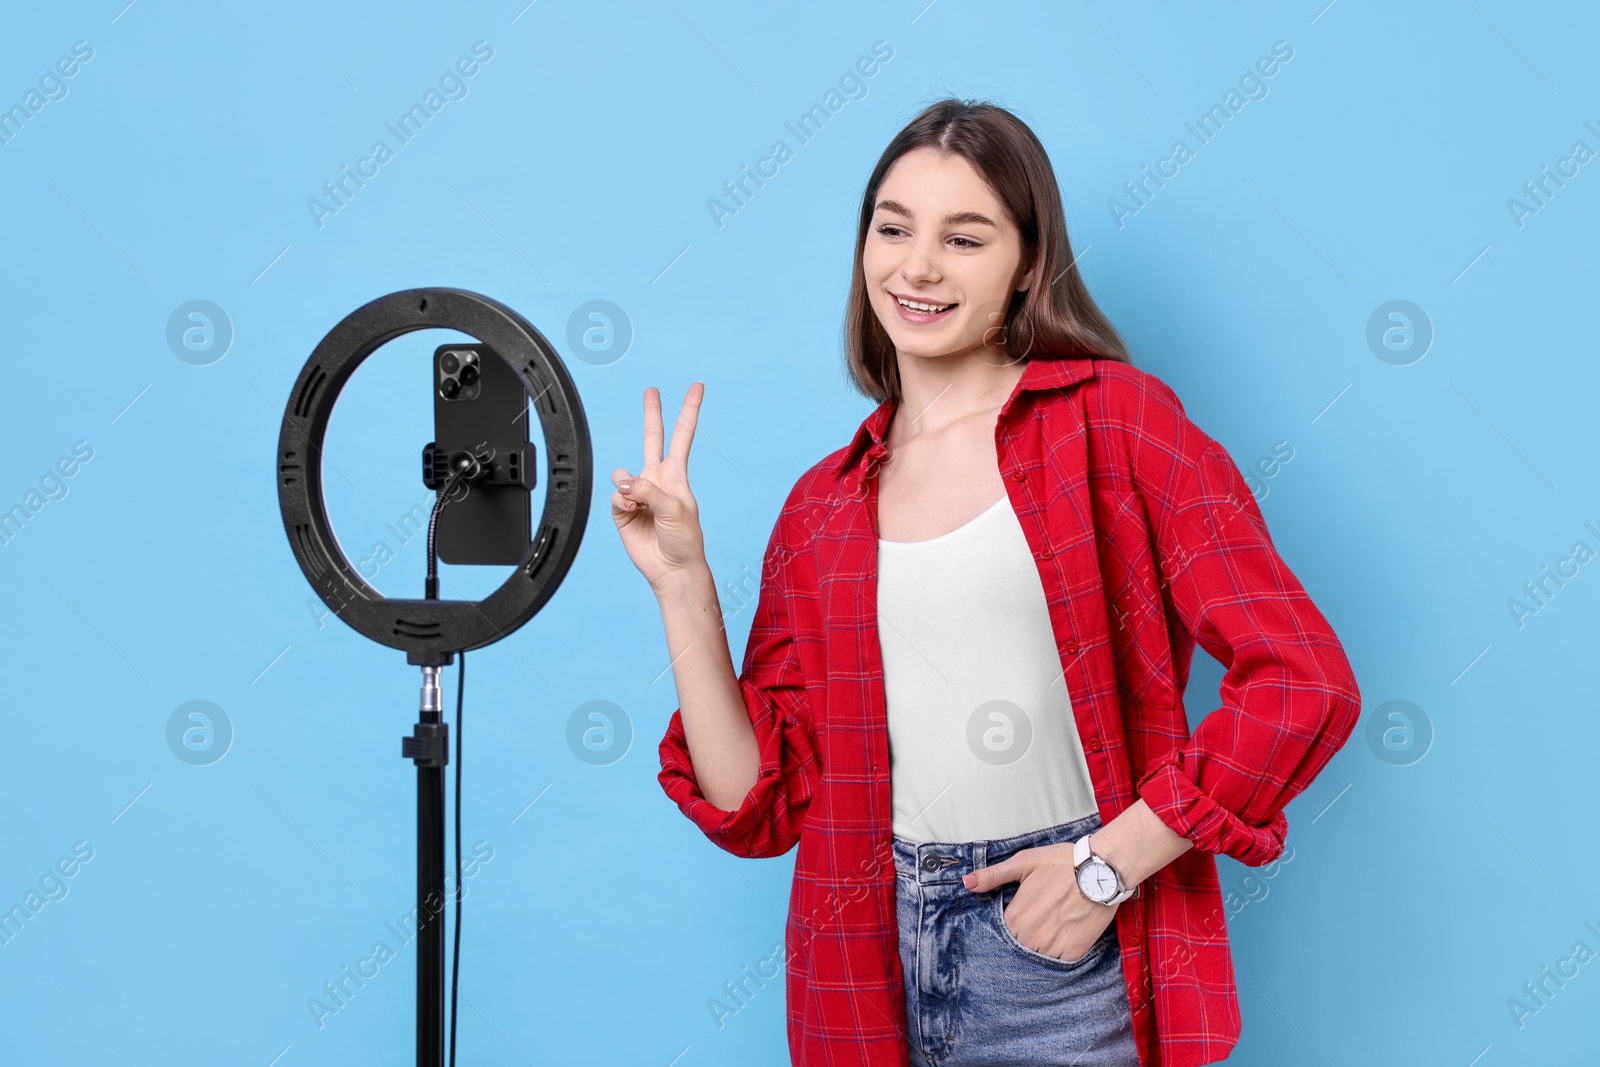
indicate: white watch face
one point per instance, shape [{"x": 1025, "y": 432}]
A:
[{"x": 1097, "y": 880}]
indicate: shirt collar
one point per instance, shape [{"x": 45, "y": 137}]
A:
[{"x": 1038, "y": 375}]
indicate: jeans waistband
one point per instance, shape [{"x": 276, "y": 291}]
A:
[{"x": 946, "y": 861}]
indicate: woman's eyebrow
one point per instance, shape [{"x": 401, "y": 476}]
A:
[{"x": 954, "y": 218}]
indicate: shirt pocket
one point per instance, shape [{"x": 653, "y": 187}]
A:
[{"x": 1141, "y": 643}]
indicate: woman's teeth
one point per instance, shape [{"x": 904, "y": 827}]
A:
[{"x": 929, "y": 309}]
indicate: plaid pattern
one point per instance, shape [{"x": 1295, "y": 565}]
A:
[{"x": 1147, "y": 540}]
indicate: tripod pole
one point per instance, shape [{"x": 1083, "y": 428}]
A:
[{"x": 429, "y": 747}]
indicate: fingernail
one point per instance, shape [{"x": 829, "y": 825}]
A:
[{"x": 624, "y": 486}]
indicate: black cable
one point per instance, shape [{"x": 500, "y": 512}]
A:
[
  {"x": 430, "y": 588},
  {"x": 455, "y": 951}
]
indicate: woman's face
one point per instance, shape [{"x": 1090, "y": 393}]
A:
[{"x": 939, "y": 238}]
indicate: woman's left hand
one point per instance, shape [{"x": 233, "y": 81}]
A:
[{"x": 1049, "y": 914}]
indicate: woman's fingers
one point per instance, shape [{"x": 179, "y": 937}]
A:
[
  {"x": 983, "y": 879},
  {"x": 619, "y": 502},
  {"x": 645, "y": 492},
  {"x": 688, "y": 417},
  {"x": 652, "y": 426}
]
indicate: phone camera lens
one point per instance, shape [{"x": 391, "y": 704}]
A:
[
  {"x": 449, "y": 363},
  {"x": 450, "y": 387},
  {"x": 469, "y": 374}
]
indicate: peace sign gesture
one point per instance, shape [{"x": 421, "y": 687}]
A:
[{"x": 655, "y": 513}]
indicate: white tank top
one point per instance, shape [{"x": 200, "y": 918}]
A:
[{"x": 982, "y": 742}]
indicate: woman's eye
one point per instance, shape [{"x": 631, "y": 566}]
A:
[{"x": 891, "y": 230}]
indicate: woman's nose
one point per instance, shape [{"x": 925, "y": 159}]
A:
[{"x": 919, "y": 266}]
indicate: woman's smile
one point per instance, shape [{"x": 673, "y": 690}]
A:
[{"x": 913, "y": 309}]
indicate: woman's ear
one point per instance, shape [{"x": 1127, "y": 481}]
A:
[{"x": 1029, "y": 276}]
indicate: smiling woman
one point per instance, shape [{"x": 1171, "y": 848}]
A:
[
  {"x": 1005, "y": 206},
  {"x": 961, "y": 693}
]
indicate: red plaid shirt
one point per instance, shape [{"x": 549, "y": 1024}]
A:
[{"x": 1147, "y": 540}]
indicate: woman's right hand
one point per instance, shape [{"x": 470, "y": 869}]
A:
[{"x": 656, "y": 514}]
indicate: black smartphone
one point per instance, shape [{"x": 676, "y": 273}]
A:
[{"x": 480, "y": 409}]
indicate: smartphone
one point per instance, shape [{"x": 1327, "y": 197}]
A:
[{"x": 480, "y": 407}]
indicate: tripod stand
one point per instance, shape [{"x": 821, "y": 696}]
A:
[
  {"x": 430, "y": 631},
  {"x": 429, "y": 747}
]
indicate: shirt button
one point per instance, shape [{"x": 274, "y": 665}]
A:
[
  {"x": 1072, "y": 648},
  {"x": 1045, "y": 553},
  {"x": 1019, "y": 475},
  {"x": 1092, "y": 745}
]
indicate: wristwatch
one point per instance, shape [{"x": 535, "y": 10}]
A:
[{"x": 1097, "y": 879}]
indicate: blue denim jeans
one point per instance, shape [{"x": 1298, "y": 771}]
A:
[{"x": 975, "y": 995}]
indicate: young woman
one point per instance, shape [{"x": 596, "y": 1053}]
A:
[{"x": 961, "y": 695}]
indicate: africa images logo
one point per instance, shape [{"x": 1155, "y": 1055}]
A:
[
  {"x": 852, "y": 85},
  {"x": 452, "y": 85}
]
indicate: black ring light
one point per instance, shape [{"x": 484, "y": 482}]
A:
[{"x": 428, "y": 631}]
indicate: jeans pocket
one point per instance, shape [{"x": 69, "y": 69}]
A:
[{"x": 1002, "y": 898}]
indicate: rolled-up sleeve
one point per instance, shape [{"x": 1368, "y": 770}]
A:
[
  {"x": 773, "y": 682},
  {"x": 1289, "y": 696}
]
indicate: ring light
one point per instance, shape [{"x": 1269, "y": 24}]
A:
[{"x": 430, "y": 630}]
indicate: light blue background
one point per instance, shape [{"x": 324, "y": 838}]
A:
[{"x": 1419, "y": 500}]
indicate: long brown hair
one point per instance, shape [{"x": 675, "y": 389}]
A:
[{"x": 1055, "y": 318}]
